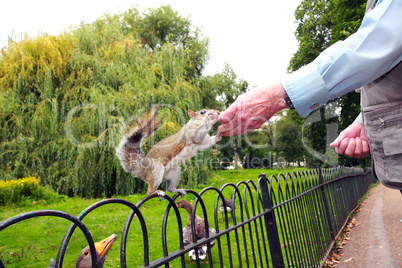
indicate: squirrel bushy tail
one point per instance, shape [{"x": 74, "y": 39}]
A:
[{"x": 129, "y": 150}]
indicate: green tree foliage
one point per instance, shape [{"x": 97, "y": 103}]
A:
[
  {"x": 257, "y": 152},
  {"x": 346, "y": 18},
  {"x": 321, "y": 24},
  {"x": 312, "y": 33},
  {"x": 164, "y": 25},
  {"x": 268, "y": 129},
  {"x": 222, "y": 89},
  {"x": 65, "y": 98},
  {"x": 288, "y": 137}
]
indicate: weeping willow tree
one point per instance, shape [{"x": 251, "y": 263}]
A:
[{"x": 66, "y": 97}]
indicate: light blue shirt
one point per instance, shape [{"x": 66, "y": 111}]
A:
[{"x": 350, "y": 64}]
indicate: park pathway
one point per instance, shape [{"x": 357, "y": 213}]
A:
[{"x": 376, "y": 240}]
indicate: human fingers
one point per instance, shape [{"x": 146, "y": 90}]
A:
[
  {"x": 230, "y": 113},
  {"x": 251, "y": 125},
  {"x": 230, "y": 120},
  {"x": 227, "y": 130},
  {"x": 239, "y": 129},
  {"x": 358, "y": 148},
  {"x": 233, "y": 132},
  {"x": 343, "y": 144},
  {"x": 227, "y": 124},
  {"x": 365, "y": 149},
  {"x": 243, "y": 121},
  {"x": 338, "y": 140},
  {"x": 350, "y": 149}
]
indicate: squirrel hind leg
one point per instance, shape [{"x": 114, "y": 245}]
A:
[
  {"x": 172, "y": 181},
  {"x": 154, "y": 177}
]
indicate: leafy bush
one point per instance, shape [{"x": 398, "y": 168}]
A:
[{"x": 24, "y": 191}]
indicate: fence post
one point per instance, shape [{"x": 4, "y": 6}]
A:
[
  {"x": 326, "y": 206},
  {"x": 270, "y": 225}
]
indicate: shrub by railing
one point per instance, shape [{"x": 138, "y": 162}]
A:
[{"x": 287, "y": 221}]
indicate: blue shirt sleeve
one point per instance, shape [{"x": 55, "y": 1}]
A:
[{"x": 364, "y": 56}]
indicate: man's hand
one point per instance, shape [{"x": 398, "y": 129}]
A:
[
  {"x": 352, "y": 142},
  {"x": 251, "y": 110}
]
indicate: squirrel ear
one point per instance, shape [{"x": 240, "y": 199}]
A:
[{"x": 191, "y": 113}]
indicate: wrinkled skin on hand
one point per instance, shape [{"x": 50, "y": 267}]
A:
[
  {"x": 251, "y": 110},
  {"x": 352, "y": 142}
]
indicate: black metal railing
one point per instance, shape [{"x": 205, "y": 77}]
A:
[{"x": 291, "y": 220}]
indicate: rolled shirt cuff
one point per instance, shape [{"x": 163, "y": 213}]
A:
[{"x": 306, "y": 89}]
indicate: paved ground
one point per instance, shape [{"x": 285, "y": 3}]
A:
[{"x": 377, "y": 239}]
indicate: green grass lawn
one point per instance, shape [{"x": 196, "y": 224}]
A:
[{"x": 33, "y": 242}]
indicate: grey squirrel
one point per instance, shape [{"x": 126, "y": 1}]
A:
[{"x": 163, "y": 160}]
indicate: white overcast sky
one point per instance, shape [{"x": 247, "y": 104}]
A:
[{"x": 255, "y": 37}]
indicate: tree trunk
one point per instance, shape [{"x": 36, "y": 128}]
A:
[
  {"x": 235, "y": 156},
  {"x": 277, "y": 159}
]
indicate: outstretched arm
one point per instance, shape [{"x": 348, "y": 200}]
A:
[
  {"x": 252, "y": 109},
  {"x": 352, "y": 142}
]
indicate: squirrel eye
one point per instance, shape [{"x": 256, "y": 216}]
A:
[
  {"x": 203, "y": 112},
  {"x": 86, "y": 253}
]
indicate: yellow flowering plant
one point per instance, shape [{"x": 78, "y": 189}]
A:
[{"x": 17, "y": 192}]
